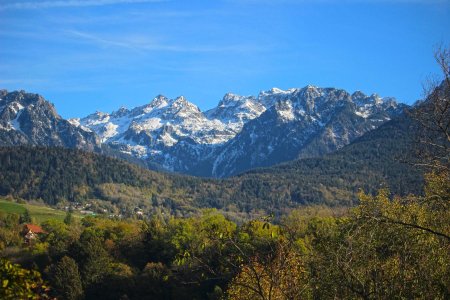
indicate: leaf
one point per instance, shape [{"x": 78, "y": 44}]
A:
[{"x": 5, "y": 283}]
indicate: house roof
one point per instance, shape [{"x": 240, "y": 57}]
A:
[{"x": 34, "y": 228}]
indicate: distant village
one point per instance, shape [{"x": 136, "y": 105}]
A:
[{"x": 87, "y": 209}]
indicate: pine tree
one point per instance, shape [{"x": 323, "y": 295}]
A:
[
  {"x": 69, "y": 218},
  {"x": 66, "y": 279}
]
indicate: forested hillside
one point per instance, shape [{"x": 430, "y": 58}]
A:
[
  {"x": 381, "y": 158},
  {"x": 55, "y": 175}
]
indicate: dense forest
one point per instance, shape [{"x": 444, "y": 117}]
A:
[
  {"x": 382, "y": 249},
  {"x": 60, "y": 176}
]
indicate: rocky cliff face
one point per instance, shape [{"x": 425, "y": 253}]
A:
[
  {"x": 241, "y": 132},
  {"x": 29, "y": 119},
  {"x": 306, "y": 122}
]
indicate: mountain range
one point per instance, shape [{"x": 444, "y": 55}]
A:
[
  {"x": 241, "y": 133},
  {"x": 332, "y": 144},
  {"x": 371, "y": 162}
]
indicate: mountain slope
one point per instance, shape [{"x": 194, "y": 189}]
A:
[
  {"x": 372, "y": 161},
  {"x": 29, "y": 119},
  {"x": 308, "y": 122},
  {"x": 241, "y": 132},
  {"x": 380, "y": 158}
]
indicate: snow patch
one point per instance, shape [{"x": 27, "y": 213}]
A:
[
  {"x": 168, "y": 140},
  {"x": 15, "y": 124},
  {"x": 74, "y": 121},
  {"x": 110, "y": 131},
  {"x": 364, "y": 114},
  {"x": 286, "y": 111}
]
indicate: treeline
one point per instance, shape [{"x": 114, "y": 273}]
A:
[
  {"x": 383, "y": 157},
  {"x": 379, "y": 159},
  {"x": 385, "y": 248}
]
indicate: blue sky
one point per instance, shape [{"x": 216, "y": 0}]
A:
[{"x": 88, "y": 55}]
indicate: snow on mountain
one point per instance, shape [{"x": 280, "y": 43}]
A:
[
  {"x": 148, "y": 130},
  {"x": 302, "y": 123},
  {"x": 27, "y": 118},
  {"x": 234, "y": 111},
  {"x": 172, "y": 132},
  {"x": 240, "y": 133}
]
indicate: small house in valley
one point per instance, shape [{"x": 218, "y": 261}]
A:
[{"x": 31, "y": 232}]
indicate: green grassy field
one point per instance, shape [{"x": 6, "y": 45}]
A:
[{"x": 38, "y": 213}]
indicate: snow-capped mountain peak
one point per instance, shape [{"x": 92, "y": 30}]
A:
[
  {"x": 231, "y": 99},
  {"x": 183, "y": 108},
  {"x": 241, "y": 131},
  {"x": 27, "y": 118},
  {"x": 358, "y": 95},
  {"x": 234, "y": 110},
  {"x": 270, "y": 97},
  {"x": 120, "y": 112},
  {"x": 159, "y": 101}
]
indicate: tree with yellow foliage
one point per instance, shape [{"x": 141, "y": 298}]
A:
[{"x": 280, "y": 275}]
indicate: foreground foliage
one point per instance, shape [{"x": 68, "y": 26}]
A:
[
  {"x": 19, "y": 283},
  {"x": 384, "y": 248}
]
